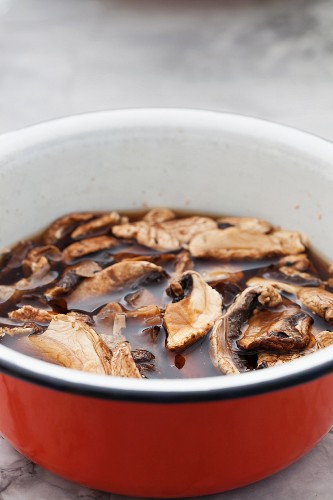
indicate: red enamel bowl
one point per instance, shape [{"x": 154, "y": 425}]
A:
[{"x": 165, "y": 438}]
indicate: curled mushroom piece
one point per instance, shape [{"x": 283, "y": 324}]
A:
[
  {"x": 70, "y": 342},
  {"x": 115, "y": 277},
  {"x": 41, "y": 277},
  {"x": 159, "y": 214},
  {"x": 97, "y": 225},
  {"x": 64, "y": 225},
  {"x": 318, "y": 300},
  {"x": 168, "y": 235},
  {"x": 228, "y": 329},
  {"x": 183, "y": 262},
  {"x": 250, "y": 224},
  {"x": 195, "y": 308},
  {"x": 88, "y": 246},
  {"x": 234, "y": 244},
  {"x": 39, "y": 257},
  {"x": 281, "y": 331},
  {"x": 72, "y": 277}
]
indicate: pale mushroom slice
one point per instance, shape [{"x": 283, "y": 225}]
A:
[
  {"x": 168, "y": 235},
  {"x": 318, "y": 300},
  {"x": 235, "y": 244},
  {"x": 104, "y": 222},
  {"x": 280, "y": 331},
  {"x": 195, "y": 309},
  {"x": 227, "y": 331},
  {"x": 324, "y": 339},
  {"x": 63, "y": 225},
  {"x": 30, "y": 313},
  {"x": 70, "y": 342},
  {"x": 116, "y": 277},
  {"x": 122, "y": 361},
  {"x": 251, "y": 224},
  {"x": 159, "y": 214},
  {"x": 87, "y": 246}
]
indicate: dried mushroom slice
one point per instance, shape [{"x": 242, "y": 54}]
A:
[
  {"x": 281, "y": 331},
  {"x": 156, "y": 215},
  {"x": 318, "y": 300},
  {"x": 250, "y": 224},
  {"x": 39, "y": 257},
  {"x": 116, "y": 277},
  {"x": 64, "y": 225},
  {"x": 29, "y": 313},
  {"x": 87, "y": 246},
  {"x": 168, "y": 235},
  {"x": 97, "y": 225},
  {"x": 70, "y": 342},
  {"x": 324, "y": 339},
  {"x": 122, "y": 362},
  {"x": 229, "y": 329},
  {"x": 300, "y": 262},
  {"x": 140, "y": 298},
  {"x": 234, "y": 244},
  {"x": 71, "y": 277},
  {"x": 27, "y": 329},
  {"x": 183, "y": 262},
  {"x": 195, "y": 308},
  {"x": 12, "y": 259},
  {"x": 41, "y": 277},
  {"x": 270, "y": 359}
]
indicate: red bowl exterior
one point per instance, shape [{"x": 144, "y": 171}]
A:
[{"x": 164, "y": 450}]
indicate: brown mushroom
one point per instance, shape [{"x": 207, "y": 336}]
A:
[
  {"x": 115, "y": 277},
  {"x": 318, "y": 300},
  {"x": 88, "y": 246},
  {"x": 324, "y": 339},
  {"x": 71, "y": 277},
  {"x": 250, "y": 224},
  {"x": 281, "y": 331},
  {"x": 41, "y": 277},
  {"x": 193, "y": 312},
  {"x": 72, "y": 343},
  {"x": 168, "y": 235},
  {"x": 234, "y": 244},
  {"x": 228, "y": 330},
  {"x": 64, "y": 225},
  {"x": 39, "y": 257},
  {"x": 97, "y": 225}
]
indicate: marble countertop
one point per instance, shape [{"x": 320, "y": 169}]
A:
[{"x": 267, "y": 58}]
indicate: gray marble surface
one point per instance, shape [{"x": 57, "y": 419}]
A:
[{"x": 266, "y": 58}]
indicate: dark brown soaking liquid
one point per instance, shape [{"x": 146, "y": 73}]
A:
[{"x": 192, "y": 362}]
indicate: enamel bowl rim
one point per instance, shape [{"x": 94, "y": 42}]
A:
[{"x": 165, "y": 390}]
